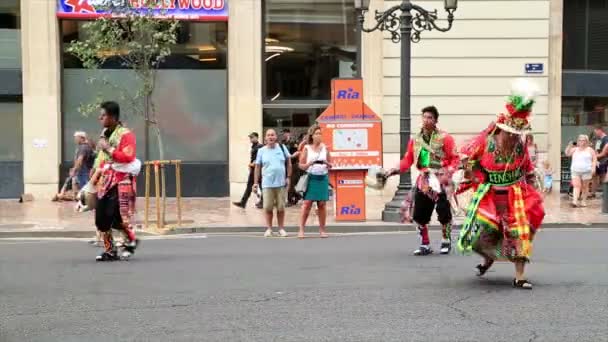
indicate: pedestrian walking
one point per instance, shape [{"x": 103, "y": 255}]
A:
[
  {"x": 255, "y": 146},
  {"x": 78, "y": 175},
  {"x": 273, "y": 166},
  {"x": 315, "y": 160},
  {"x": 433, "y": 152},
  {"x": 582, "y": 168},
  {"x": 83, "y": 160},
  {"x": 506, "y": 210},
  {"x": 118, "y": 168}
]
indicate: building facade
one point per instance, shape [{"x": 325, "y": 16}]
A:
[{"x": 268, "y": 64}]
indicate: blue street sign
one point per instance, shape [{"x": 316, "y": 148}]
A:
[{"x": 534, "y": 68}]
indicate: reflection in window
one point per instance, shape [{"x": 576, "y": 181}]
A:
[
  {"x": 199, "y": 46},
  {"x": 580, "y": 115},
  {"x": 11, "y": 130},
  {"x": 190, "y": 97},
  {"x": 9, "y": 15},
  {"x": 10, "y": 35},
  {"x": 307, "y": 43},
  {"x": 296, "y": 120}
]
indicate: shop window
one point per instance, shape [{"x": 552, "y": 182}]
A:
[
  {"x": 10, "y": 35},
  {"x": 199, "y": 46},
  {"x": 190, "y": 96},
  {"x": 581, "y": 115},
  {"x": 307, "y": 43},
  {"x": 11, "y": 130}
]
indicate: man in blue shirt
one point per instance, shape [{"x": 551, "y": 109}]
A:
[{"x": 274, "y": 167}]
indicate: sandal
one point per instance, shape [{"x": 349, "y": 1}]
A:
[
  {"x": 323, "y": 235},
  {"x": 522, "y": 284}
]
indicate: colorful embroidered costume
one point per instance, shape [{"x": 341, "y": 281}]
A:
[
  {"x": 116, "y": 190},
  {"x": 505, "y": 211},
  {"x": 436, "y": 158}
]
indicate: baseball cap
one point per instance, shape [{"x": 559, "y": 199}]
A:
[{"x": 254, "y": 134}]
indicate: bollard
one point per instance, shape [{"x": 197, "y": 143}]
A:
[{"x": 605, "y": 197}]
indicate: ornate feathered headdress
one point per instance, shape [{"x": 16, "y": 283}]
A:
[{"x": 519, "y": 107}]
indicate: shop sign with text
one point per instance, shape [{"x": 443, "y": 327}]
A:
[{"x": 196, "y": 10}]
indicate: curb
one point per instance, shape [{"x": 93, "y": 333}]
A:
[
  {"x": 74, "y": 234},
  {"x": 380, "y": 228}
]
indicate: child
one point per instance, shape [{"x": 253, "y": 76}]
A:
[{"x": 547, "y": 177}]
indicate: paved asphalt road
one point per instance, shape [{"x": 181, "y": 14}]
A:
[{"x": 347, "y": 288}]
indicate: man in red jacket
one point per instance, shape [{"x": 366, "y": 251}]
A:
[
  {"x": 116, "y": 186},
  {"x": 433, "y": 152}
]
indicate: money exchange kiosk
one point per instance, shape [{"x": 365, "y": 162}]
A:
[{"x": 352, "y": 133}]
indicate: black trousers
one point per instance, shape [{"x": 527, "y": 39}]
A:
[
  {"x": 424, "y": 207},
  {"x": 249, "y": 188},
  {"x": 107, "y": 213}
]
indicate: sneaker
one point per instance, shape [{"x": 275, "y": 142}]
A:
[
  {"x": 268, "y": 233},
  {"x": 107, "y": 256},
  {"x": 446, "y": 247},
  {"x": 131, "y": 246},
  {"x": 423, "y": 250},
  {"x": 583, "y": 204},
  {"x": 125, "y": 255},
  {"x": 283, "y": 233},
  {"x": 239, "y": 204}
]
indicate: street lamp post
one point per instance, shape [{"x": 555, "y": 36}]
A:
[{"x": 405, "y": 22}]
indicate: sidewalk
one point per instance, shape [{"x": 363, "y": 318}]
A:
[{"x": 43, "y": 218}]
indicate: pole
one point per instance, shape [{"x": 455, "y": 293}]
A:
[
  {"x": 178, "y": 191},
  {"x": 159, "y": 223},
  {"x": 391, "y": 211},
  {"x": 359, "y": 33},
  {"x": 147, "y": 196}
]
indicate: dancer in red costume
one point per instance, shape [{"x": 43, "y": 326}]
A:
[
  {"x": 433, "y": 152},
  {"x": 505, "y": 211},
  {"x": 116, "y": 184}
]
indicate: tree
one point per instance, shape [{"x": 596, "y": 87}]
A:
[{"x": 140, "y": 41}]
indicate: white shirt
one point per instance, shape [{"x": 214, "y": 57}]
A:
[{"x": 312, "y": 155}]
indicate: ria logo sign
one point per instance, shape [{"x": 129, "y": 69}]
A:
[
  {"x": 350, "y": 210},
  {"x": 348, "y": 94}
]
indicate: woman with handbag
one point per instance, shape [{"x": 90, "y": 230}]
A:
[{"x": 315, "y": 161}]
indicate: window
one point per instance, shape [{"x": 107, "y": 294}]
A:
[
  {"x": 580, "y": 115},
  {"x": 199, "y": 46},
  {"x": 307, "y": 43},
  {"x": 190, "y": 96},
  {"x": 10, "y": 40},
  {"x": 11, "y": 131},
  {"x": 586, "y": 34}
]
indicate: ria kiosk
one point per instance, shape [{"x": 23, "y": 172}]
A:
[{"x": 352, "y": 133}]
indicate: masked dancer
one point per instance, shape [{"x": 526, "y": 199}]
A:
[{"x": 505, "y": 211}]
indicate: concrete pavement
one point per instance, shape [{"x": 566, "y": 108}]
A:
[{"x": 350, "y": 288}]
